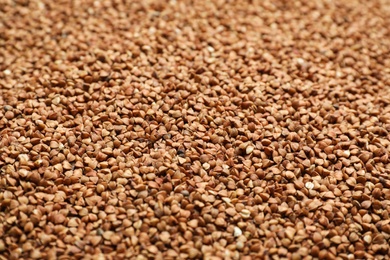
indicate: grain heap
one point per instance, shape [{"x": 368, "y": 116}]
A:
[{"x": 194, "y": 129}]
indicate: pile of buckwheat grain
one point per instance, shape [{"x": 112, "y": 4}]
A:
[{"x": 194, "y": 129}]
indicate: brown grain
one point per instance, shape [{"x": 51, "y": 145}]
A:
[{"x": 194, "y": 129}]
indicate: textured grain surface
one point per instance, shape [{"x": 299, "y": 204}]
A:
[{"x": 194, "y": 129}]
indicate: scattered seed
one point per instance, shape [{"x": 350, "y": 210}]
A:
[
  {"x": 309, "y": 185},
  {"x": 237, "y": 232}
]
